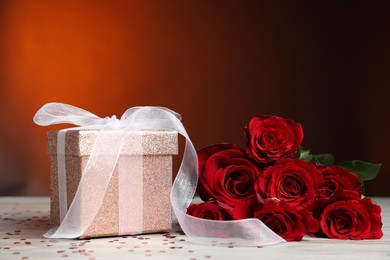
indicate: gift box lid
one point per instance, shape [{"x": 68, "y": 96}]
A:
[{"x": 80, "y": 142}]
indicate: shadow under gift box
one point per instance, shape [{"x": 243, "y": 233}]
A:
[{"x": 157, "y": 150}]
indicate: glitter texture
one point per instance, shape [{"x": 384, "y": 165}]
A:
[{"x": 157, "y": 150}]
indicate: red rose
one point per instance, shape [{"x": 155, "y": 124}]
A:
[
  {"x": 203, "y": 155},
  {"x": 210, "y": 210},
  {"x": 228, "y": 176},
  {"x": 286, "y": 221},
  {"x": 346, "y": 216},
  {"x": 337, "y": 177},
  {"x": 293, "y": 181},
  {"x": 269, "y": 138}
]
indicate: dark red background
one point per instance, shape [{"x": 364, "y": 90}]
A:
[{"x": 323, "y": 63}]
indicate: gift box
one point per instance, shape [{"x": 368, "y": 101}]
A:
[{"x": 157, "y": 148}]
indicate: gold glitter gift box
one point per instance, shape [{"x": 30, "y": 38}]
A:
[{"x": 158, "y": 148}]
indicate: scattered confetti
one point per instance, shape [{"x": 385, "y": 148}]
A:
[{"x": 21, "y": 239}]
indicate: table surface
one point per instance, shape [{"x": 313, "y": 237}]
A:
[{"x": 23, "y": 220}]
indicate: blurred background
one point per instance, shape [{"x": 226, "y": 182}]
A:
[{"x": 325, "y": 64}]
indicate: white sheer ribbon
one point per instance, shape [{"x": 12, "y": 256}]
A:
[
  {"x": 104, "y": 156},
  {"x": 61, "y": 166}
]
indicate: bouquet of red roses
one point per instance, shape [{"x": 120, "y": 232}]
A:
[{"x": 293, "y": 192}]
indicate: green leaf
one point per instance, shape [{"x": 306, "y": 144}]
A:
[
  {"x": 304, "y": 154},
  {"x": 325, "y": 159},
  {"x": 365, "y": 170}
]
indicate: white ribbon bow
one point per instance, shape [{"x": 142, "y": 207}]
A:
[{"x": 103, "y": 158}]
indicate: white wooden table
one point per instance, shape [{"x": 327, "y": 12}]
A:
[{"x": 23, "y": 220}]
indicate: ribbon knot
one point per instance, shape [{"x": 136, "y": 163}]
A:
[{"x": 114, "y": 122}]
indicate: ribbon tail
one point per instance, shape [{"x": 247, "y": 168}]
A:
[{"x": 247, "y": 232}]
